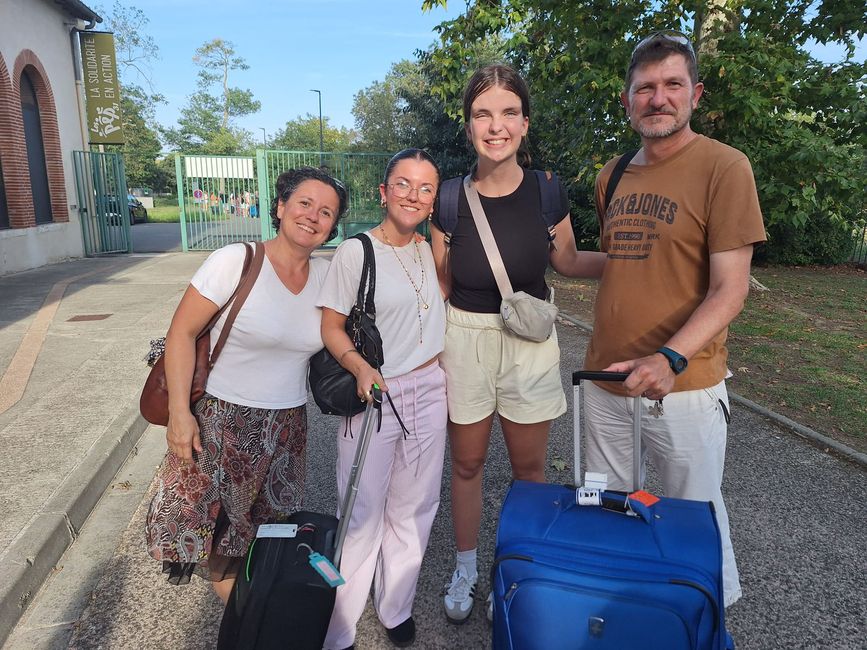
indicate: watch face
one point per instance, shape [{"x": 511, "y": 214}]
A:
[{"x": 680, "y": 364}]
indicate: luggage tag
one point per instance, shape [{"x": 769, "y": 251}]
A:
[
  {"x": 326, "y": 569},
  {"x": 640, "y": 503},
  {"x": 277, "y": 530},
  {"x": 590, "y": 494}
]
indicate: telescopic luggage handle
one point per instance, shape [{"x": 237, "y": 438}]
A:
[
  {"x": 374, "y": 405},
  {"x": 600, "y": 375}
]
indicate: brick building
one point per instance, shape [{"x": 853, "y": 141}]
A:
[{"x": 41, "y": 123}]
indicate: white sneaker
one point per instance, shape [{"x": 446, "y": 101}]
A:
[
  {"x": 460, "y": 596},
  {"x": 490, "y": 607}
]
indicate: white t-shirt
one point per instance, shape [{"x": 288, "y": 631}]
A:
[
  {"x": 265, "y": 359},
  {"x": 397, "y": 308}
]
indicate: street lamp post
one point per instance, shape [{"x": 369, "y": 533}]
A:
[
  {"x": 264, "y": 140},
  {"x": 321, "y": 146}
]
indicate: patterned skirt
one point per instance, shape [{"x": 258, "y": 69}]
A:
[{"x": 251, "y": 471}]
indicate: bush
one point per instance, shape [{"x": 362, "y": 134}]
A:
[{"x": 820, "y": 241}]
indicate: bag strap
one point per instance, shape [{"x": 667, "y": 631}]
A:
[
  {"x": 249, "y": 273},
  {"x": 616, "y": 175},
  {"x": 364, "y": 300},
  {"x": 488, "y": 241}
]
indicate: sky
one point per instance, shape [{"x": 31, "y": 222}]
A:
[
  {"x": 336, "y": 46},
  {"x": 292, "y": 46}
]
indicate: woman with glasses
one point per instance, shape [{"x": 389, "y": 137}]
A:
[
  {"x": 489, "y": 370},
  {"x": 237, "y": 457},
  {"x": 399, "y": 489}
]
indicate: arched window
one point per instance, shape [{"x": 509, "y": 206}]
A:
[{"x": 35, "y": 151}]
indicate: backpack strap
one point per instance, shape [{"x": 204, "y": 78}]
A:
[
  {"x": 616, "y": 175},
  {"x": 549, "y": 196},
  {"x": 447, "y": 206}
]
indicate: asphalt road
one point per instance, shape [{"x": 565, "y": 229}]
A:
[
  {"x": 798, "y": 522},
  {"x": 155, "y": 237}
]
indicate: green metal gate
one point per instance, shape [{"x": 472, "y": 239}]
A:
[
  {"x": 361, "y": 173},
  {"x": 225, "y": 199},
  {"x": 219, "y": 201},
  {"x": 100, "y": 184}
]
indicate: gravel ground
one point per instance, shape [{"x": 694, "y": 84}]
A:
[{"x": 798, "y": 521}]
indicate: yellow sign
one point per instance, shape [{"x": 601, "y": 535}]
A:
[{"x": 101, "y": 88}]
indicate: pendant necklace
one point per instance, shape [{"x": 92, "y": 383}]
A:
[{"x": 420, "y": 302}]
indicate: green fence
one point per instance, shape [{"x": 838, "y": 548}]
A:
[
  {"x": 361, "y": 173},
  {"x": 100, "y": 184},
  {"x": 225, "y": 199},
  {"x": 219, "y": 201}
]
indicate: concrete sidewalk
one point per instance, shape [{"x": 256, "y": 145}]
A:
[{"x": 72, "y": 339}]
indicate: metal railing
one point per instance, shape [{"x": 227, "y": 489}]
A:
[
  {"x": 361, "y": 173},
  {"x": 225, "y": 199}
]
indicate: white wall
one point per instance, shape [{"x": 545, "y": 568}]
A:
[{"x": 38, "y": 25}]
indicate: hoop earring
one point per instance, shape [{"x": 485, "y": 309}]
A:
[{"x": 382, "y": 203}]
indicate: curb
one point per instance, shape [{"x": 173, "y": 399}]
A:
[
  {"x": 814, "y": 437},
  {"x": 34, "y": 554}
]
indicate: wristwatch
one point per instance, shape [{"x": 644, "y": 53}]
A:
[{"x": 676, "y": 360}]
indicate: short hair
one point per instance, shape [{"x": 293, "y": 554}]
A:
[
  {"x": 658, "y": 47},
  {"x": 411, "y": 153},
  {"x": 288, "y": 182},
  {"x": 502, "y": 76}
]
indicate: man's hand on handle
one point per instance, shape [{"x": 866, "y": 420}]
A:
[{"x": 650, "y": 376}]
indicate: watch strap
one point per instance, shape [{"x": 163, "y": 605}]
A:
[{"x": 675, "y": 359}]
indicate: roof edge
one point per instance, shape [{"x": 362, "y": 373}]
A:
[{"x": 78, "y": 9}]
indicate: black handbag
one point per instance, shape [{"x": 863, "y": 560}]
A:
[{"x": 334, "y": 387}]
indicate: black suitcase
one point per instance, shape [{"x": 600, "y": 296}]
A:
[{"x": 279, "y": 599}]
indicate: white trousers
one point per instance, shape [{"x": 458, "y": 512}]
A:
[
  {"x": 687, "y": 446},
  {"x": 398, "y": 497}
]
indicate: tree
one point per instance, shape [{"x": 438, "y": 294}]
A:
[
  {"x": 205, "y": 125},
  {"x": 302, "y": 134},
  {"x": 216, "y": 59},
  {"x": 380, "y": 110},
  {"x": 136, "y": 50},
  {"x": 801, "y": 122},
  {"x": 142, "y": 146}
]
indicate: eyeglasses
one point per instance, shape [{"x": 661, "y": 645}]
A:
[
  {"x": 402, "y": 190},
  {"x": 666, "y": 35}
]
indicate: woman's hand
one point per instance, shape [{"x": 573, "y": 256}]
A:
[
  {"x": 182, "y": 435},
  {"x": 366, "y": 377}
]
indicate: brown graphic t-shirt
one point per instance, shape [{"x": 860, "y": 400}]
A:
[{"x": 659, "y": 231}]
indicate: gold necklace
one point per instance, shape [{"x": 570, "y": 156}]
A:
[{"x": 420, "y": 302}]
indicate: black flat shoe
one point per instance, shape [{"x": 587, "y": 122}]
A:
[{"x": 403, "y": 635}]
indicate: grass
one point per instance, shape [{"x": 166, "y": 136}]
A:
[
  {"x": 799, "y": 349},
  {"x": 165, "y": 210}
]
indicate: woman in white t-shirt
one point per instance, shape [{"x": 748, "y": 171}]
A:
[
  {"x": 399, "y": 489},
  {"x": 237, "y": 458}
]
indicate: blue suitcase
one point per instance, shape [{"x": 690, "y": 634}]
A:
[{"x": 573, "y": 576}]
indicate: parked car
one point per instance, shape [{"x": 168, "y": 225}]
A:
[{"x": 137, "y": 212}]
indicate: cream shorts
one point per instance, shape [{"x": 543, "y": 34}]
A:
[{"x": 490, "y": 369}]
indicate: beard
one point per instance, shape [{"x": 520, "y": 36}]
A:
[{"x": 662, "y": 128}]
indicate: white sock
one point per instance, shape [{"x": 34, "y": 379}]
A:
[{"x": 467, "y": 559}]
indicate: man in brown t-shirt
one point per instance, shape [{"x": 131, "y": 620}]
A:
[{"x": 679, "y": 233}]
